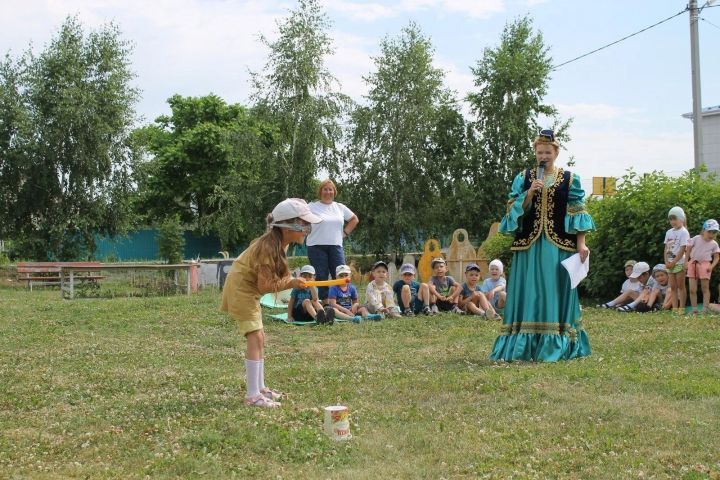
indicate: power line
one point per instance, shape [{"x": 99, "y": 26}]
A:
[
  {"x": 622, "y": 39},
  {"x": 708, "y": 21}
]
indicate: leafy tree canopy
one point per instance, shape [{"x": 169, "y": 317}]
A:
[{"x": 65, "y": 148}]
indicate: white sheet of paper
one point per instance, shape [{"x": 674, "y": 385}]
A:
[{"x": 576, "y": 268}]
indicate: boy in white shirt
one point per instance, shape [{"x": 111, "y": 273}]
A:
[
  {"x": 379, "y": 296},
  {"x": 640, "y": 275},
  {"x": 629, "y": 290}
]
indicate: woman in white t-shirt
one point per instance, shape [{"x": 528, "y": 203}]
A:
[{"x": 325, "y": 243}]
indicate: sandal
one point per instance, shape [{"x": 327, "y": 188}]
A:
[
  {"x": 261, "y": 401},
  {"x": 271, "y": 394}
]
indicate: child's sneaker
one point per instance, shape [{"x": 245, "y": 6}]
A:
[
  {"x": 374, "y": 316},
  {"x": 329, "y": 315},
  {"x": 426, "y": 310},
  {"x": 457, "y": 310},
  {"x": 605, "y": 305},
  {"x": 356, "y": 319},
  {"x": 320, "y": 317},
  {"x": 408, "y": 312},
  {"x": 434, "y": 310}
]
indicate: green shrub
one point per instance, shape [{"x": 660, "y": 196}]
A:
[
  {"x": 171, "y": 241},
  {"x": 632, "y": 223},
  {"x": 498, "y": 246},
  {"x": 297, "y": 262}
]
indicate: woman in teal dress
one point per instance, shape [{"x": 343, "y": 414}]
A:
[{"x": 549, "y": 221}]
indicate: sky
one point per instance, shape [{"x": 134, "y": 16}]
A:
[{"x": 626, "y": 101}]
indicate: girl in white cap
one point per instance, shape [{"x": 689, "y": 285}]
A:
[
  {"x": 703, "y": 253},
  {"x": 263, "y": 268},
  {"x": 675, "y": 241},
  {"x": 494, "y": 286}
]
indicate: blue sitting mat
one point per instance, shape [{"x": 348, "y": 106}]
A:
[
  {"x": 283, "y": 318},
  {"x": 275, "y": 300}
]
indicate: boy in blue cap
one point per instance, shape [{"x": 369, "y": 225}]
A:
[{"x": 472, "y": 298}]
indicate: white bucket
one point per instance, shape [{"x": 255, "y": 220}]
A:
[{"x": 337, "y": 422}]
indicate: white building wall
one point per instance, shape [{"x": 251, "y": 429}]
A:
[{"x": 711, "y": 142}]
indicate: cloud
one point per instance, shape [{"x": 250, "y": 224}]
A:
[
  {"x": 351, "y": 62},
  {"x": 362, "y": 11},
  {"x": 474, "y": 9},
  {"x": 610, "y": 153},
  {"x": 190, "y": 47},
  {"x": 458, "y": 79},
  {"x": 371, "y": 11},
  {"x": 596, "y": 111}
]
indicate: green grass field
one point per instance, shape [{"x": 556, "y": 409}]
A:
[{"x": 153, "y": 387}]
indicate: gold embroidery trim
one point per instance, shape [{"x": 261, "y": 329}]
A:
[
  {"x": 542, "y": 328},
  {"x": 525, "y": 243},
  {"x": 561, "y": 243},
  {"x": 576, "y": 209},
  {"x": 541, "y": 222}
]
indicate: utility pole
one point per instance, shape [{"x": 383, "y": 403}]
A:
[{"x": 695, "y": 68}]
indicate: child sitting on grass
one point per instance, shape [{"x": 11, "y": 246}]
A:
[
  {"x": 640, "y": 273},
  {"x": 344, "y": 298},
  {"x": 703, "y": 254},
  {"x": 444, "y": 288},
  {"x": 472, "y": 299},
  {"x": 656, "y": 294},
  {"x": 629, "y": 290},
  {"x": 413, "y": 297},
  {"x": 379, "y": 295},
  {"x": 494, "y": 287},
  {"x": 304, "y": 305}
]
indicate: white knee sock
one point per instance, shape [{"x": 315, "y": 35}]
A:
[
  {"x": 261, "y": 375},
  {"x": 252, "y": 369}
]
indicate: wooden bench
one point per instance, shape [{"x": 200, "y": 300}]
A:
[{"x": 48, "y": 273}]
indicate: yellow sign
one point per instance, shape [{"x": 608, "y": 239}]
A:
[{"x": 603, "y": 186}]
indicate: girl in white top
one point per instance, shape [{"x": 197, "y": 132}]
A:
[
  {"x": 703, "y": 254},
  {"x": 676, "y": 240}
]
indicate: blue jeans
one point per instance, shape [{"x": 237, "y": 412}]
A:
[{"x": 325, "y": 259}]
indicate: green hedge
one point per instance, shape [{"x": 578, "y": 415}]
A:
[
  {"x": 632, "y": 223},
  {"x": 498, "y": 246}
]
